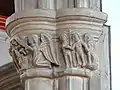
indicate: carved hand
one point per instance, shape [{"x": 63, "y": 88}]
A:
[{"x": 68, "y": 47}]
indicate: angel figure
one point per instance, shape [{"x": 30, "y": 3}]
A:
[
  {"x": 44, "y": 54},
  {"x": 33, "y": 42},
  {"x": 92, "y": 58}
]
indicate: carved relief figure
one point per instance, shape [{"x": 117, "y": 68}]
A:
[
  {"x": 32, "y": 51},
  {"x": 14, "y": 53},
  {"x": 19, "y": 51},
  {"x": 44, "y": 54},
  {"x": 77, "y": 50},
  {"x": 67, "y": 49},
  {"x": 91, "y": 56},
  {"x": 80, "y": 49}
]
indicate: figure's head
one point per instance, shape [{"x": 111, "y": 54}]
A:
[
  {"x": 35, "y": 39},
  {"x": 76, "y": 37},
  {"x": 64, "y": 38},
  {"x": 14, "y": 42},
  {"x": 87, "y": 37},
  {"x": 32, "y": 40}
]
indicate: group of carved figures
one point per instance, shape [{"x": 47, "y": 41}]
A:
[
  {"x": 78, "y": 50},
  {"x": 39, "y": 51},
  {"x": 35, "y": 50}
]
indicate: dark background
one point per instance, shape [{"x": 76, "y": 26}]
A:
[{"x": 6, "y": 7}]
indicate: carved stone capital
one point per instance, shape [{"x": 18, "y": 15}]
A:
[{"x": 55, "y": 43}]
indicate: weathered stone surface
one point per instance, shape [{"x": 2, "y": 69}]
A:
[
  {"x": 57, "y": 49},
  {"x": 9, "y": 78}
]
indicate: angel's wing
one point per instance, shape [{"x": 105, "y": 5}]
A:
[{"x": 48, "y": 49}]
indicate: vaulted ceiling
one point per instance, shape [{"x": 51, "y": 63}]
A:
[{"x": 6, "y": 7}]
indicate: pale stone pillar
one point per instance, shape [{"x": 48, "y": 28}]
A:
[
  {"x": 21, "y": 5},
  {"x": 56, "y": 49},
  {"x": 82, "y": 3},
  {"x": 60, "y": 4}
]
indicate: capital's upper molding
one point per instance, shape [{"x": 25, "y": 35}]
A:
[
  {"x": 53, "y": 18},
  {"x": 87, "y": 12},
  {"x": 58, "y": 13},
  {"x": 31, "y": 13}
]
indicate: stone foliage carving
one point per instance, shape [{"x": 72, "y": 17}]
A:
[{"x": 77, "y": 50}]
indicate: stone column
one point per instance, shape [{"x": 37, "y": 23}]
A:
[
  {"x": 21, "y": 5},
  {"x": 56, "y": 49}
]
